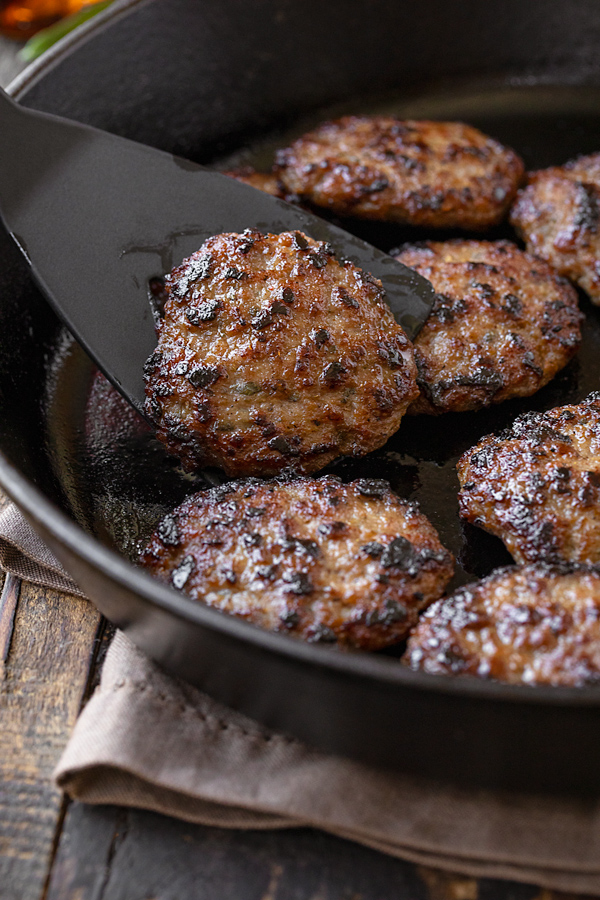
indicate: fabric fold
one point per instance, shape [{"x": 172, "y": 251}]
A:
[{"x": 24, "y": 555}]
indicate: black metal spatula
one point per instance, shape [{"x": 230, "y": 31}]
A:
[{"x": 98, "y": 216}]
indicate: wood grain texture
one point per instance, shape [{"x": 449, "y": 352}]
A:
[
  {"x": 110, "y": 853},
  {"x": 44, "y": 678},
  {"x": 82, "y": 865},
  {"x": 8, "y": 607},
  {"x": 151, "y": 856}
]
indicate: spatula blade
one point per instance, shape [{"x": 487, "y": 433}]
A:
[{"x": 98, "y": 216}]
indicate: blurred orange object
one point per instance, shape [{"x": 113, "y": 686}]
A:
[{"x": 21, "y": 19}]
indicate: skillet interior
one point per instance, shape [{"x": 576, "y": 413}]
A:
[
  {"x": 118, "y": 479},
  {"x": 183, "y": 96}
]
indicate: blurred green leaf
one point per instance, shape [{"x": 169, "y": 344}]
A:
[{"x": 44, "y": 39}]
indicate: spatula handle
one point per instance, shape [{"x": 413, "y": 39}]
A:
[
  {"x": 8, "y": 106},
  {"x": 11, "y": 116},
  {"x": 14, "y": 122},
  {"x": 32, "y": 144}
]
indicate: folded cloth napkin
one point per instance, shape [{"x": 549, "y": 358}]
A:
[{"x": 208, "y": 764}]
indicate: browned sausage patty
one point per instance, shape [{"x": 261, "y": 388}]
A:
[
  {"x": 537, "y": 485},
  {"x": 502, "y": 326},
  {"x": 530, "y": 625},
  {"x": 315, "y": 558},
  {"x": 272, "y": 354},
  {"x": 558, "y": 216},
  {"x": 435, "y": 174}
]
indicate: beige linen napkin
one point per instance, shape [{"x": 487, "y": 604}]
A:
[{"x": 148, "y": 740}]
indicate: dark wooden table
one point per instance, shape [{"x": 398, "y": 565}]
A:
[{"x": 51, "y": 650}]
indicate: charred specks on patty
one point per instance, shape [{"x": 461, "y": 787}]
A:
[
  {"x": 269, "y": 349},
  {"x": 282, "y": 555},
  {"x": 536, "y": 485},
  {"x": 536, "y": 624},
  {"x": 502, "y": 334},
  {"x": 558, "y": 213},
  {"x": 432, "y": 174}
]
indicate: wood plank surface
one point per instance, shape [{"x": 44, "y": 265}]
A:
[
  {"x": 9, "y": 598},
  {"x": 149, "y": 856},
  {"x": 109, "y": 853},
  {"x": 48, "y": 652}
]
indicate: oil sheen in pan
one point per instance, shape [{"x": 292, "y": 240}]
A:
[{"x": 118, "y": 480}]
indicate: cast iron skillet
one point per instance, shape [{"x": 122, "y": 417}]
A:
[{"x": 202, "y": 79}]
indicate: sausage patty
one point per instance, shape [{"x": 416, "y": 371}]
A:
[
  {"x": 530, "y": 625},
  {"x": 274, "y": 354},
  {"x": 502, "y": 326},
  {"x": 558, "y": 216},
  {"x": 434, "y": 174},
  {"x": 314, "y": 558},
  {"x": 537, "y": 485}
]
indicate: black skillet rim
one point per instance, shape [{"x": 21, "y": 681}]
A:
[{"x": 356, "y": 664}]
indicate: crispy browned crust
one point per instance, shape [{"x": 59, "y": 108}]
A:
[
  {"x": 434, "y": 174},
  {"x": 262, "y": 181},
  {"x": 530, "y": 625},
  {"x": 502, "y": 326},
  {"x": 558, "y": 216},
  {"x": 313, "y": 558},
  {"x": 272, "y": 354},
  {"x": 536, "y": 485}
]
